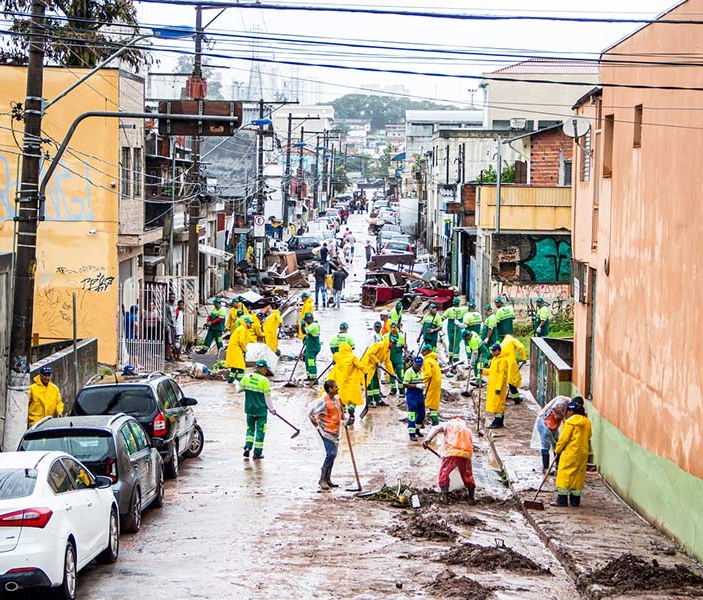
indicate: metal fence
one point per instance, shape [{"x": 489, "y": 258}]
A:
[
  {"x": 142, "y": 339},
  {"x": 186, "y": 289}
]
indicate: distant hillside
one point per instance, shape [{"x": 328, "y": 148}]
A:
[{"x": 380, "y": 109}]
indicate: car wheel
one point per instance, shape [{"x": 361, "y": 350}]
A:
[
  {"x": 160, "y": 490},
  {"x": 197, "y": 441},
  {"x": 172, "y": 466},
  {"x": 110, "y": 554},
  {"x": 67, "y": 589},
  {"x": 133, "y": 519}
]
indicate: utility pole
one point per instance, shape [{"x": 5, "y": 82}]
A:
[
  {"x": 499, "y": 165},
  {"x": 26, "y": 241},
  {"x": 301, "y": 171},
  {"x": 286, "y": 175},
  {"x": 260, "y": 193},
  {"x": 195, "y": 203},
  {"x": 316, "y": 177}
]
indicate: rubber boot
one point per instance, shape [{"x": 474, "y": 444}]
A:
[
  {"x": 444, "y": 495},
  {"x": 545, "y": 462},
  {"x": 471, "y": 493},
  {"x": 350, "y": 418},
  {"x": 323, "y": 481},
  {"x": 574, "y": 500},
  {"x": 497, "y": 423},
  {"x": 562, "y": 500},
  {"x": 329, "y": 480}
]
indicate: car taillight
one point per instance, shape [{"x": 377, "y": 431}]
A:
[
  {"x": 111, "y": 469},
  {"x": 299, "y": 246},
  {"x": 29, "y": 517},
  {"x": 160, "y": 425}
]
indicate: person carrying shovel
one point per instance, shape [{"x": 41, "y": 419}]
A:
[
  {"x": 349, "y": 371},
  {"x": 459, "y": 449},
  {"x": 326, "y": 416},
  {"x": 572, "y": 450},
  {"x": 257, "y": 404},
  {"x": 433, "y": 382}
]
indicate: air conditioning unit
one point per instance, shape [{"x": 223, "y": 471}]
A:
[{"x": 518, "y": 123}]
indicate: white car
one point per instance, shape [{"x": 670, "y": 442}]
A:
[{"x": 55, "y": 518}]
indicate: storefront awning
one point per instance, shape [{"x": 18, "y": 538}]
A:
[{"x": 212, "y": 251}]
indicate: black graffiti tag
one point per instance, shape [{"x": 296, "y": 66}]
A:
[{"x": 99, "y": 283}]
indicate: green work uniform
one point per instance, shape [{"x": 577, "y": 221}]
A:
[
  {"x": 312, "y": 348},
  {"x": 476, "y": 351},
  {"x": 489, "y": 323},
  {"x": 431, "y": 322},
  {"x": 542, "y": 315},
  {"x": 453, "y": 316},
  {"x": 257, "y": 394},
  {"x": 472, "y": 321},
  {"x": 396, "y": 315},
  {"x": 214, "y": 332},
  {"x": 505, "y": 316},
  {"x": 337, "y": 341},
  {"x": 396, "y": 357}
]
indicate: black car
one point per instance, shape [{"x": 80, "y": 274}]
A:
[
  {"x": 303, "y": 246},
  {"x": 158, "y": 403},
  {"x": 114, "y": 446}
]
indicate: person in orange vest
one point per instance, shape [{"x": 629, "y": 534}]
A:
[
  {"x": 459, "y": 449},
  {"x": 326, "y": 416}
]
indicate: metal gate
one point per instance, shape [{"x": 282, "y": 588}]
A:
[
  {"x": 142, "y": 331},
  {"x": 186, "y": 289}
]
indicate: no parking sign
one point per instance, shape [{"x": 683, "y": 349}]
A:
[{"x": 259, "y": 226}]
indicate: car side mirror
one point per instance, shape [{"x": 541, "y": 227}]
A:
[
  {"x": 189, "y": 402},
  {"x": 102, "y": 482}
]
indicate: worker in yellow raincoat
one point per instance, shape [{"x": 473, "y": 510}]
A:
[
  {"x": 514, "y": 351},
  {"x": 256, "y": 333},
  {"x": 271, "y": 326},
  {"x": 237, "y": 349},
  {"x": 433, "y": 382},
  {"x": 44, "y": 398},
  {"x": 307, "y": 307},
  {"x": 236, "y": 311},
  {"x": 378, "y": 353},
  {"x": 348, "y": 372},
  {"x": 497, "y": 387},
  {"x": 572, "y": 450}
]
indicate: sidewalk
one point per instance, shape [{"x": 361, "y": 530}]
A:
[{"x": 602, "y": 532}]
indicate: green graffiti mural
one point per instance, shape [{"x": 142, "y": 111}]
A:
[{"x": 531, "y": 258}]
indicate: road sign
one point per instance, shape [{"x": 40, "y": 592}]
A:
[
  {"x": 259, "y": 226},
  {"x": 200, "y": 125}
]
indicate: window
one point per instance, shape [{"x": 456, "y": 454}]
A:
[
  {"x": 566, "y": 177},
  {"x": 81, "y": 478},
  {"x": 139, "y": 435},
  {"x": 586, "y": 157},
  {"x": 177, "y": 391},
  {"x": 137, "y": 173},
  {"x": 166, "y": 395},
  {"x": 608, "y": 133},
  {"x": 128, "y": 438},
  {"x": 58, "y": 480},
  {"x": 637, "y": 135},
  {"x": 125, "y": 167},
  {"x": 17, "y": 483}
]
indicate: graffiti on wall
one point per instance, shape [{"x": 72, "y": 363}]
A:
[
  {"x": 531, "y": 258},
  {"x": 67, "y": 197},
  {"x": 523, "y": 299}
]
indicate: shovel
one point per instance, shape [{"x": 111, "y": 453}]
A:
[
  {"x": 426, "y": 446},
  {"x": 297, "y": 360},
  {"x": 296, "y": 431},
  {"x": 356, "y": 472},
  {"x": 313, "y": 382},
  {"x": 535, "y": 504}
]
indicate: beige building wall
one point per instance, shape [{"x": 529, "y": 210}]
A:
[{"x": 77, "y": 243}]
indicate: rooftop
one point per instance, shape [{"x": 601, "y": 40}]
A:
[{"x": 548, "y": 65}]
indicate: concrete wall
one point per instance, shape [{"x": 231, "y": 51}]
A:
[
  {"x": 648, "y": 388},
  {"x": 548, "y": 151}
]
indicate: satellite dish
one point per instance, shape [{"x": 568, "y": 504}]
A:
[{"x": 575, "y": 127}]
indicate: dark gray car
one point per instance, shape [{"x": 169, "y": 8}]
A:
[{"x": 115, "y": 446}]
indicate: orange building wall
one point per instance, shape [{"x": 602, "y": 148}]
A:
[{"x": 649, "y": 339}]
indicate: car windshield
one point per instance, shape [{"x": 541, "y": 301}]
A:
[
  {"x": 17, "y": 483},
  {"x": 86, "y": 446},
  {"x": 135, "y": 400},
  {"x": 402, "y": 246},
  {"x": 406, "y": 239},
  {"x": 391, "y": 227}
]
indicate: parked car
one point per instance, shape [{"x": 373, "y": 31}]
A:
[
  {"x": 334, "y": 214},
  {"x": 332, "y": 223},
  {"x": 392, "y": 247},
  {"x": 321, "y": 234},
  {"x": 388, "y": 215},
  {"x": 384, "y": 236},
  {"x": 303, "y": 246},
  {"x": 391, "y": 227},
  {"x": 55, "y": 518},
  {"x": 115, "y": 446},
  {"x": 158, "y": 403},
  {"x": 406, "y": 239}
]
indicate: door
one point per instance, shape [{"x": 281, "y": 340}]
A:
[
  {"x": 173, "y": 411},
  {"x": 87, "y": 516},
  {"x": 138, "y": 460},
  {"x": 188, "y": 418},
  {"x": 145, "y": 459}
]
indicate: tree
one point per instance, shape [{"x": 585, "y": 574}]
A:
[
  {"x": 340, "y": 180},
  {"x": 385, "y": 160},
  {"x": 75, "y": 34},
  {"x": 489, "y": 175}
]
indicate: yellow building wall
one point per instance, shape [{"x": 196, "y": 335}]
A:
[
  {"x": 77, "y": 243},
  {"x": 526, "y": 208}
]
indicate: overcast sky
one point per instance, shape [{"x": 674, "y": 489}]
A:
[{"x": 508, "y": 41}]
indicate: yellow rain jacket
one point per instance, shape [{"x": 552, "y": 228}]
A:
[
  {"x": 378, "y": 353},
  {"x": 513, "y": 350},
  {"x": 231, "y": 322},
  {"x": 433, "y": 381},
  {"x": 271, "y": 325},
  {"x": 573, "y": 447},
  {"x": 307, "y": 307},
  {"x": 255, "y": 331},
  {"x": 44, "y": 401},
  {"x": 348, "y": 372},
  {"x": 237, "y": 348},
  {"x": 497, "y": 386}
]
